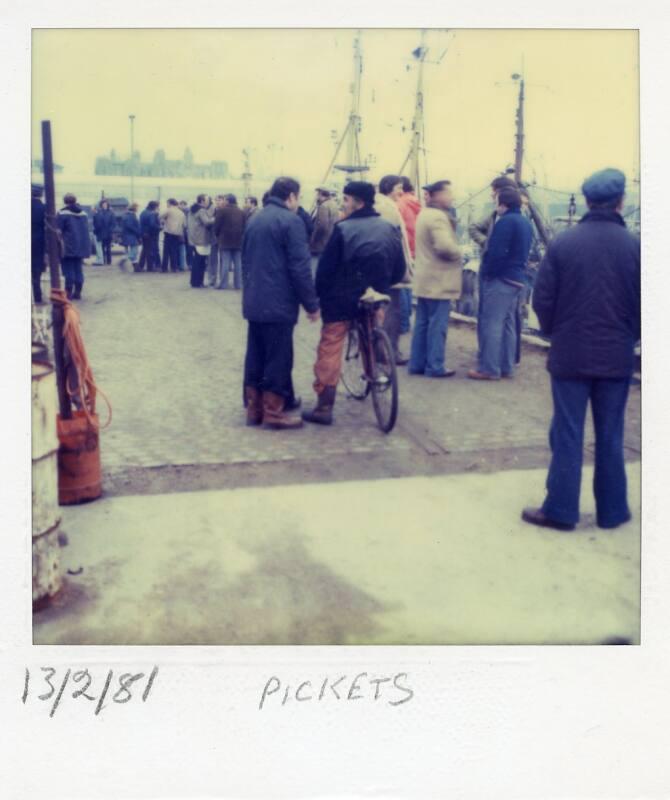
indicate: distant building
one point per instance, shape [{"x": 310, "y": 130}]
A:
[
  {"x": 38, "y": 166},
  {"x": 160, "y": 166}
]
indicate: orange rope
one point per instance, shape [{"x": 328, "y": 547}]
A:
[{"x": 87, "y": 389}]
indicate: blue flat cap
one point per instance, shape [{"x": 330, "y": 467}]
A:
[{"x": 604, "y": 185}]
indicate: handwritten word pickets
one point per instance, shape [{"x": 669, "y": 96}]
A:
[
  {"x": 392, "y": 690},
  {"x": 80, "y": 680}
]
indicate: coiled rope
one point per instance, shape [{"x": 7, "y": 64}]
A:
[{"x": 87, "y": 390}]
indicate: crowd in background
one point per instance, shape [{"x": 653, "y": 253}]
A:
[{"x": 586, "y": 296}]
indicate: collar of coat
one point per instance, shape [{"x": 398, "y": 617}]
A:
[
  {"x": 603, "y": 215},
  {"x": 277, "y": 201},
  {"x": 74, "y": 210},
  {"x": 366, "y": 211}
]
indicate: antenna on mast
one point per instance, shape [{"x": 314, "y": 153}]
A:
[
  {"x": 353, "y": 127},
  {"x": 246, "y": 175},
  {"x": 518, "y": 150},
  {"x": 415, "y": 148}
]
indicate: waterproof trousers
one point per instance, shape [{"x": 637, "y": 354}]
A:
[
  {"x": 74, "y": 276},
  {"x": 107, "y": 251},
  {"x": 171, "y": 244},
  {"x": 149, "y": 255},
  {"x": 269, "y": 358},
  {"x": 198, "y": 267}
]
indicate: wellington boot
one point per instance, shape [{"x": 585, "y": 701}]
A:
[
  {"x": 274, "y": 416},
  {"x": 322, "y": 413},
  {"x": 254, "y": 401}
]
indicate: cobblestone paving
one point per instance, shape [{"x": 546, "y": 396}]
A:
[{"x": 169, "y": 357}]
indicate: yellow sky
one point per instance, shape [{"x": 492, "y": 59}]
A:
[{"x": 281, "y": 93}]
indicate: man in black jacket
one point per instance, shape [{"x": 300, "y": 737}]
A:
[
  {"x": 276, "y": 281},
  {"x": 151, "y": 227},
  {"x": 363, "y": 250},
  {"x": 73, "y": 226},
  {"x": 587, "y": 299},
  {"x": 104, "y": 223},
  {"x": 37, "y": 240}
]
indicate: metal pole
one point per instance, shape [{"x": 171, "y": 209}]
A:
[
  {"x": 417, "y": 125},
  {"x": 57, "y": 315},
  {"x": 335, "y": 154},
  {"x": 132, "y": 158},
  {"x": 518, "y": 154},
  {"x": 352, "y": 144}
]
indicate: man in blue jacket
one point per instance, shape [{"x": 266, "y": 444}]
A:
[
  {"x": 151, "y": 227},
  {"x": 76, "y": 245},
  {"x": 587, "y": 299},
  {"x": 503, "y": 274},
  {"x": 276, "y": 281}
]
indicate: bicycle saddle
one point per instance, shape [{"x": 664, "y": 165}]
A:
[{"x": 371, "y": 297}]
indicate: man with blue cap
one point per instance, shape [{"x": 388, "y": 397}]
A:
[{"x": 587, "y": 299}]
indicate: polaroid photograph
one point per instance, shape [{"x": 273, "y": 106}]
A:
[{"x": 326, "y": 479}]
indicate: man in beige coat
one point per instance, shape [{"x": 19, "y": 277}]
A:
[
  {"x": 174, "y": 225},
  {"x": 438, "y": 273}
]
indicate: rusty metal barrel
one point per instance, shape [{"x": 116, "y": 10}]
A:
[
  {"x": 46, "y": 513},
  {"x": 79, "y": 472}
]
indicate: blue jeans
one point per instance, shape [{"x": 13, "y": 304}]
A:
[
  {"x": 566, "y": 437},
  {"x": 131, "y": 251},
  {"x": 182, "y": 256},
  {"x": 405, "y": 310},
  {"x": 233, "y": 257},
  {"x": 429, "y": 340},
  {"x": 99, "y": 257},
  {"x": 497, "y": 327}
]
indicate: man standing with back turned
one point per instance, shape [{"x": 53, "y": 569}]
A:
[
  {"x": 587, "y": 298},
  {"x": 276, "y": 281}
]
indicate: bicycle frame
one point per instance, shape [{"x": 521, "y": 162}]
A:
[{"x": 366, "y": 322}]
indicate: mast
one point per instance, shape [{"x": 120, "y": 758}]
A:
[
  {"x": 247, "y": 174},
  {"x": 518, "y": 150},
  {"x": 413, "y": 156},
  {"x": 353, "y": 127}
]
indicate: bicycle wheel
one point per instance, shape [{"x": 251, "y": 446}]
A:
[
  {"x": 385, "y": 383},
  {"x": 353, "y": 373}
]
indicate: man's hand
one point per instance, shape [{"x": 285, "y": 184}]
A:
[{"x": 314, "y": 316}]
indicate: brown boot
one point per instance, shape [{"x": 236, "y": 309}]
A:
[
  {"x": 254, "y": 401},
  {"x": 322, "y": 413},
  {"x": 274, "y": 415}
]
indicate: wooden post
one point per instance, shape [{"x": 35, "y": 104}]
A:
[{"x": 54, "y": 267}]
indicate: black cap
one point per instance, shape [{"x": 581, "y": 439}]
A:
[
  {"x": 438, "y": 186},
  {"x": 362, "y": 190}
]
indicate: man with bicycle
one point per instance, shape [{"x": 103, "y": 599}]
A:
[{"x": 364, "y": 250}]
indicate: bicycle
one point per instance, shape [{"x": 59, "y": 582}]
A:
[{"x": 369, "y": 361}]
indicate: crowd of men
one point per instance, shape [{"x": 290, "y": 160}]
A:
[{"x": 586, "y": 295}]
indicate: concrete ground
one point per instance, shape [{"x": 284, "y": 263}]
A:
[
  {"x": 440, "y": 560},
  {"x": 211, "y": 532}
]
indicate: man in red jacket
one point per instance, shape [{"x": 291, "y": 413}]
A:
[{"x": 409, "y": 208}]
